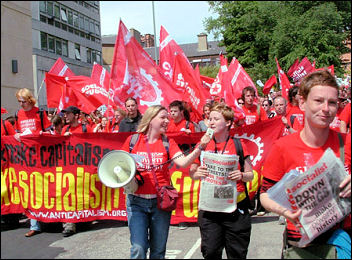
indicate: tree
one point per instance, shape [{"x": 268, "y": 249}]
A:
[{"x": 256, "y": 32}]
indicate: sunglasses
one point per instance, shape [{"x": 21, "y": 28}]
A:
[
  {"x": 22, "y": 101},
  {"x": 240, "y": 103}
]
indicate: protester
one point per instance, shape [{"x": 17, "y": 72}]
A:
[
  {"x": 119, "y": 114},
  {"x": 267, "y": 105},
  {"x": 204, "y": 124},
  {"x": 130, "y": 123},
  {"x": 29, "y": 119},
  {"x": 345, "y": 117},
  {"x": 148, "y": 225},
  {"x": 6, "y": 127},
  {"x": 280, "y": 105},
  {"x": 300, "y": 150},
  {"x": 178, "y": 121},
  {"x": 229, "y": 230},
  {"x": 102, "y": 127},
  {"x": 71, "y": 115},
  {"x": 293, "y": 110},
  {"x": 240, "y": 102},
  {"x": 253, "y": 112}
]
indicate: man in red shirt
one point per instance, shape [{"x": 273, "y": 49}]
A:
[
  {"x": 71, "y": 115},
  {"x": 300, "y": 150},
  {"x": 178, "y": 122},
  {"x": 345, "y": 118},
  {"x": 293, "y": 110},
  {"x": 253, "y": 112}
]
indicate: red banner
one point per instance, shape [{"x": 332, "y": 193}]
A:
[
  {"x": 302, "y": 69},
  {"x": 54, "y": 179},
  {"x": 284, "y": 82},
  {"x": 269, "y": 84}
]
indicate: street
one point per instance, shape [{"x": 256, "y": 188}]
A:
[{"x": 109, "y": 239}]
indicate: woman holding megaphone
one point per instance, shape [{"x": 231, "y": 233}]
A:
[{"x": 148, "y": 224}]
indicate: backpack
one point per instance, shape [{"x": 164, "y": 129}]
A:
[
  {"x": 84, "y": 128},
  {"x": 239, "y": 151},
  {"x": 165, "y": 140}
]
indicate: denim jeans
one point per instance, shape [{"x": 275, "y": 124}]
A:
[
  {"x": 35, "y": 225},
  {"x": 149, "y": 227}
]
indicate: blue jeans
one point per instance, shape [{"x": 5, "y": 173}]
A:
[
  {"x": 35, "y": 225},
  {"x": 149, "y": 227}
]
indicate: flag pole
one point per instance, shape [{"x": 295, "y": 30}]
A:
[
  {"x": 155, "y": 49},
  {"x": 41, "y": 85}
]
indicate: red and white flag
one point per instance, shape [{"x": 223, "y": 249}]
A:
[
  {"x": 269, "y": 84},
  {"x": 330, "y": 68},
  {"x": 168, "y": 49},
  {"x": 135, "y": 74},
  {"x": 206, "y": 81},
  {"x": 185, "y": 78},
  {"x": 55, "y": 87},
  {"x": 238, "y": 79},
  {"x": 220, "y": 85},
  {"x": 100, "y": 75},
  {"x": 293, "y": 68},
  {"x": 303, "y": 68},
  {"x": 60, "y": 68},
  {"x": 284, "y": 82}
]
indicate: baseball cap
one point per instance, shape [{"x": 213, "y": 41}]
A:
[{"x": 71, "y": 109}]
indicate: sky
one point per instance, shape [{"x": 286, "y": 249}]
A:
[{"x": 183, "y": 20}]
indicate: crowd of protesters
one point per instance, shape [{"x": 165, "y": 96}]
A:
[{"x": 29, "y": 119}]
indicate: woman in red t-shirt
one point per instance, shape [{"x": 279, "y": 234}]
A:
[
  {"x": 149, "y": 226},
  {"x": 299, "y": 151},
  {"x": 220, "y": 229}
]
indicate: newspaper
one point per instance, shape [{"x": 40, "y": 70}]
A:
[
  {"x": 218, "y": 193},
  {"x": 316, "y": 193}
]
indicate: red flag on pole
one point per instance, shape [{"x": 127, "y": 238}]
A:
[
  {"x": 293, "y": 68},
  {"x": 100, "y": 75},
  {"x": 330, "y": 68},
  {"x": 284, "y": 82},
  {"x": 55, "y": 86},
  {"x": 206, "y": 81},
  {"x": 194, "y": 93},
  {"x": 168, "y": 49},
  {"x": 135, "y": 74},
  {"x": 269, "y": 84},
  {"x": 302, "y": 69},
  {"x": 60, "y": 68}
]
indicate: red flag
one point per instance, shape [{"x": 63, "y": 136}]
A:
[
  {"x": 302, "y": 69},
  {"x": 268, "y": 84},
  {"x": 238, "y": 79},
  {"x": 100, "y": 75},
  {"x": 330, "y": 68},
  {"x": 55, "y": 86},
  {"x": 284, "y": 82},
  {"x": 3, "y": 111},
  {"x": 223, "y": 62},
  {"x": 206, "y": 81},
  {"x": 185, "y": 78},
  {"x": 220, "y": 85},
  {"x": 61, "y": 69},
  {"x": 293, "y": 68},
  {"x": 167, "y": 51},
  {"x": 134, "y": 73},
  {"x": 87, "y": 94},
  {"x": 197, "y": 75}
]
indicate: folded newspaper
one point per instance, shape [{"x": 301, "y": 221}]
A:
[
  {"x": 217, "y": 192},
  {"x": 316, "y": 193}
]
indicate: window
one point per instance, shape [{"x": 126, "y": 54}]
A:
[
  {"x": 89, "y": 56},
  {"x": 81, "y": 22},
  {"x": 77, "y": 52},
  {"x": 99, "y": 57},
  {"x": 51, "y": 43},
  {"x": 64, "y": 27},
  {"x": 70, "y": 17},
  {"x": 86, "y": 24},
  {"x": 57, "y": 24},
  {"x": 43, "y": 18},
  {"x": 75, "y": 20},
  {"x": 94, "y": 56},
  {"x": 42, "y": 6},
  {"x": 70, "y": 29},
  {"x": 64, "y": 48},
  {"x": 97, "y": 31},
  {"x": 50, "y": 8},
  {"x": 58, "y": 47},
  {"x": 63, "y": 15},
  {"x": 91, "y": 26},
  {"x": 43, "y": 41},
  {"x": 57, "y": 11}
]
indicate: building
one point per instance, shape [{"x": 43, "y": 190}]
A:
[
  {"x": 52, "y": 29},
  {"x": 202, "y": 52}
]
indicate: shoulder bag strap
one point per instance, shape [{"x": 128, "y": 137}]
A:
[
  {"x": 342, "y": 148},
  {"x": 133, "y": 141},
  {"x": 150, "y": 163}
]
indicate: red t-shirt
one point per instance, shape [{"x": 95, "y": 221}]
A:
[
  {"x": 9, "y": 128},
  {"x": 335, "y": 124},
  {"x": 346, "y": 115},
  {"x": 76, "y": 129},
  {"x": 294, "y": 111},
  {"x": 230, "y": 148},
  {"x": 159, "y": 156},
  {"x": 252, "y": 115},
  {"x": 31, "y": 120},
  {"x": 180, "y": 126},
  {"x": 288, "y": 153}
]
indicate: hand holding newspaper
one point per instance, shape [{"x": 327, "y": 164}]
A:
[
  {"x": 316, "y": 193},
  {"x": 217, "y": 192}
]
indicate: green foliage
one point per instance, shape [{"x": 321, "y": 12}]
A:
[
  {"x": 255, "y": 32},
  {"x": 209, "y": 71}
]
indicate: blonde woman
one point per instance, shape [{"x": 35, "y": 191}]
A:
[{"x": 149, "y": 226}]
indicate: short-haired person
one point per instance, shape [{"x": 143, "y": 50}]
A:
[
  {"x": 119, "y": 115},
  {"x": 319, "y": 95},
  {"x": 217, "y": 229},
  {"x": 131, "y": 121},
  {"x": 71, "y": 115},
  {"x": 253, "y": 112},
  {"x": 178, "y": 121},
  {"x": 29, "y": 118},
  {"x": 293, "y": 111},
  {"x": 148, "y": 225},
  {"x": 280, "y": 105}
]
